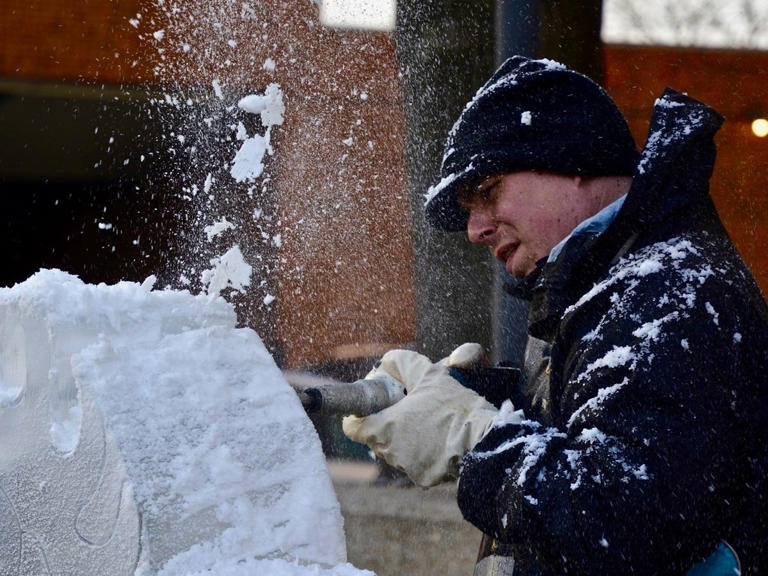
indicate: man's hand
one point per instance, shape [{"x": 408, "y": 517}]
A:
[{"x": 426, "y": 434}]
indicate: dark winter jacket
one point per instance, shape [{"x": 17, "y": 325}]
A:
[{"x": 645, "y": 443}]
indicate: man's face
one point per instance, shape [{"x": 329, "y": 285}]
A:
[{"x": 521, "y": 216}]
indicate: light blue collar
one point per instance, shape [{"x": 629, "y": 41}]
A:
[{"x": 594, "y": 225}]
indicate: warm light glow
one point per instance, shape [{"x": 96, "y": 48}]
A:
[{"x": 760, "y": 127}]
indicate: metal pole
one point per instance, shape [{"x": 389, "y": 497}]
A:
[
  {"x": 567, "y": 31},
  {"x": 517, "y": 33},
  {"x": 444, "y": 53},
  {"x": 517, "y": 29}
]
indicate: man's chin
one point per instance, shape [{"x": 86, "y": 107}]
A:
[
  {"x": 516, "y": 267},
  {"x": 516, "y": 272}
]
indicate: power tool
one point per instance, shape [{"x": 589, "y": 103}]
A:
[{"x": 370, "y": 395}]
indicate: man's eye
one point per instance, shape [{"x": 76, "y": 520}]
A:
[
  {"x": 482, "y": 194},
  {"x": 488, "y": 192}
]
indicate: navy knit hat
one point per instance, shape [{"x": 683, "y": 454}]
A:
[{"x": 531, "y": 115}]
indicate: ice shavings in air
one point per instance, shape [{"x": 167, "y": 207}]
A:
[
  {"x": 192, "y": 454},
  {"x": 218, "y": 228},
  {"x": 228, "y": 271},
  {"x": 218, "y": 133},
  {"x": 269, "y": 105},
  {"x": 248, "y": 162}
]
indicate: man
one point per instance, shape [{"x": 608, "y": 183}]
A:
[{"x": 638, "y": 442}]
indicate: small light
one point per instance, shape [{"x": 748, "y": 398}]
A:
[{"x": 760, "y": 127}]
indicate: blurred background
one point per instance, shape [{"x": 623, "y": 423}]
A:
[
  {"x": 118, "y": 125},
  {"x": 108, "y": 119}
]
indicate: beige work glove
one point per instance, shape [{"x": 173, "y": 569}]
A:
[{"x": 426, "y": 434}]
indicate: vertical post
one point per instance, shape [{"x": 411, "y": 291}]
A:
[
  {"x": 570, "y": 33},
  {"x": 517, "y": 29},
  {"x": 445, "y": 52},
  {"x": 517, "y": 33},
  {"x": 563, "y": 30}
]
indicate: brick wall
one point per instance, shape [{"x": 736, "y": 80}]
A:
[
  {"x": 736, "y": 84},
  {"x": 63, "y": 40},
  {"x": 338, "y": 174}
]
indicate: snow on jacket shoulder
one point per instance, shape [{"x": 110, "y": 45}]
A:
[{"x": 648, "y": 447}]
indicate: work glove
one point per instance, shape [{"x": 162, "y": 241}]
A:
[{"x": 426, "y": 433}]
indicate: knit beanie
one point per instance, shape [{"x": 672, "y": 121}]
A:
[{"x": 531, "y": 115}]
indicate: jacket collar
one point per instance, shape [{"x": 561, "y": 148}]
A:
[{"x": 673, "y": 173}]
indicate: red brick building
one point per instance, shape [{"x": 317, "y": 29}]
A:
[{"x": 341, "y": 273}]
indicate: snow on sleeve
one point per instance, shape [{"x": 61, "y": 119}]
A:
[
  {"x": 684, "y": 273},
  {"x": 507, "y": 414},
  {"x": 192, "y": 454},
  {"x": 652, "y": 330},
  {"x": 617, "y": 356},
  {"x": 713, "y": 313},
  {"x": 668, "y": 255},
  {"x": 596, "y": 401},
  {"x": 533, "y": 443}
]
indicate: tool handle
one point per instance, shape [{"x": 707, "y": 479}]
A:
[
  {"x": 494, "y": 383},
  {"x": 367, "y": 396},
  {"x": 361, "y": 397}
]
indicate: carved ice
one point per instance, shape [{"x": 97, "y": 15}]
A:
[{"x": 142, "y": 433}]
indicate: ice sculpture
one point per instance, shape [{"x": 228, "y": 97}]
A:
[{"x": 142, "y": 433}]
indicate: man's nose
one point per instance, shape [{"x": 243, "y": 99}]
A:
[{"x": 480, "y": 226}]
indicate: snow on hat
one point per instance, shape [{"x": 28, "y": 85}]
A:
[{"x": 531, "y": 115}]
